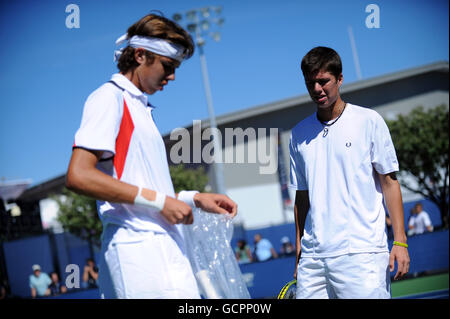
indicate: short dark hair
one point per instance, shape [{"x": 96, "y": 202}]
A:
[
  {"x": 321, "y": 59},
  {"x": 156, "y": 26}
]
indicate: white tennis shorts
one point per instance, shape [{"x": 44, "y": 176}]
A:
[
  {"x": 144, "y": 265},
  {"x": 352, "y": 276}
]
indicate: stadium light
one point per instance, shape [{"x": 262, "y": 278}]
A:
[{"x": 199, "y": 22}]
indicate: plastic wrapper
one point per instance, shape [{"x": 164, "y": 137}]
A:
[{"x": 212, "y": 259}]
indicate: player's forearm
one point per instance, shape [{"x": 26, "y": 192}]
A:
[
  {"x": 393, "y": 198},
  {"x": 96, "y": 184},
  {"x": 301, "y": 209},
  {"x": 83, "y": 177},
  {"x": 298, "y": 236}
]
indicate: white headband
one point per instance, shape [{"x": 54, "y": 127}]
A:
[{"x": 155, "y": 45}]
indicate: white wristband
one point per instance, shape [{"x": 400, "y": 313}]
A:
[
  {"x": 158, "y": 203},
  {"x": 187, "y": 197}
]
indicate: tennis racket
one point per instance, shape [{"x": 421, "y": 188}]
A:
[{"x": 289, "y": 290}]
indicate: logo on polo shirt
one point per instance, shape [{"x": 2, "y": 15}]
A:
[{"x": 348, "y": 144}]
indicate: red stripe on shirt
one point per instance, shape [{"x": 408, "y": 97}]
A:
[{"x": 123, "y": 140}]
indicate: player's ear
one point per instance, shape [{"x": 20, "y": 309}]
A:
[
  {"x": 340, "y": 79},
  {"x": 139, "y": 55}
]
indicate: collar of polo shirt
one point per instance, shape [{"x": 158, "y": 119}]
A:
[{"x": 123, "y": 82}]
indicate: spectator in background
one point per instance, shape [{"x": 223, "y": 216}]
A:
[
  {"x": 419, "y": 221},
  {"x": 56, "y": 288},
  {"x": 264, "y": 249},
  {"x": 243, "y": 253},
  {"x": 287, "y": 248},
  {"x": 90, "y": 274},
  {"x": 39, "y": 282}
]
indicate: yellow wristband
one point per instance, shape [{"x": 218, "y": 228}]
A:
[{"x": 400, "y": 244}]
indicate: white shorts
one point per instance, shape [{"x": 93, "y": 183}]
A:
[
  {"x": 353, "y": 276},
  {"x": 144, "y": 265}
]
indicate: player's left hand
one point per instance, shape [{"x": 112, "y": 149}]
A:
[
  {"x": 216, "y": 203},
  {"x": 401, "y": 255}
]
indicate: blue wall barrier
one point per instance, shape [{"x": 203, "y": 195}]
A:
[
  {"x": 52, "y": 252},
  {"x": 272, "y": 233},
  {"x": 20, "y": 256},
  {"x": 265, "y": 279},
  {"x": 62, "y": 254},
  {"x": 275, "y": 233},
  {"x": 428, "y": 252},
  {"x": 78, "y": 294}
]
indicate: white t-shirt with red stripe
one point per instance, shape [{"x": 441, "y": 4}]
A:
[{"x": 117, "y": 119}]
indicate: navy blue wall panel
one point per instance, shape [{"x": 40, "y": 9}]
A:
[{"x": 20, "y": 256}]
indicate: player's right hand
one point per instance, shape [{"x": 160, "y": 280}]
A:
[{"x": 177, "y": 212}]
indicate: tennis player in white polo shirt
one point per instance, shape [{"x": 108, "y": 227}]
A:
[
  {"x": 119, "y": 158},
  {"x": 343, "y": 166}
]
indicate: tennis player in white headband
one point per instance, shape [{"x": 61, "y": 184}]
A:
[{"x": 119, "y": 158}]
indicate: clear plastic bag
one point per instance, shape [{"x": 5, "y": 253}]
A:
[{"x": 212, "y": 258}]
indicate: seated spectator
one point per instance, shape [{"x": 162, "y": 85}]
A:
[
  {"x": 264, "y": 249},
  {"x": 90, "y": 274},
  {"x": 243, "y": 253},
  {"x": 287, "y": 248},
  {"x": 39, "y": 282},
  {"x": 419, "y": 221},
  {"x": 56, "y": 288}
]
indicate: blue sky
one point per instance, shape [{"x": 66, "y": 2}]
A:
[{"x": 48, "y": 70}]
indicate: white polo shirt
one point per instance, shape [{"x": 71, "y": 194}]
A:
[
  {"x": 338, "y": 168},
  {"x": 117, "y": 119}
]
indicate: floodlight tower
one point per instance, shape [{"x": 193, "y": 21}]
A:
[{"x": 200, "y": 22}]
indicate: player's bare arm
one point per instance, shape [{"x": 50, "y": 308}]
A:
[
  {"x": 84, "y": 178},
  {"x": 394, "y": 203},
  {"x": 301, "y": 209},
  {"x": 215, "y": 203}
]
